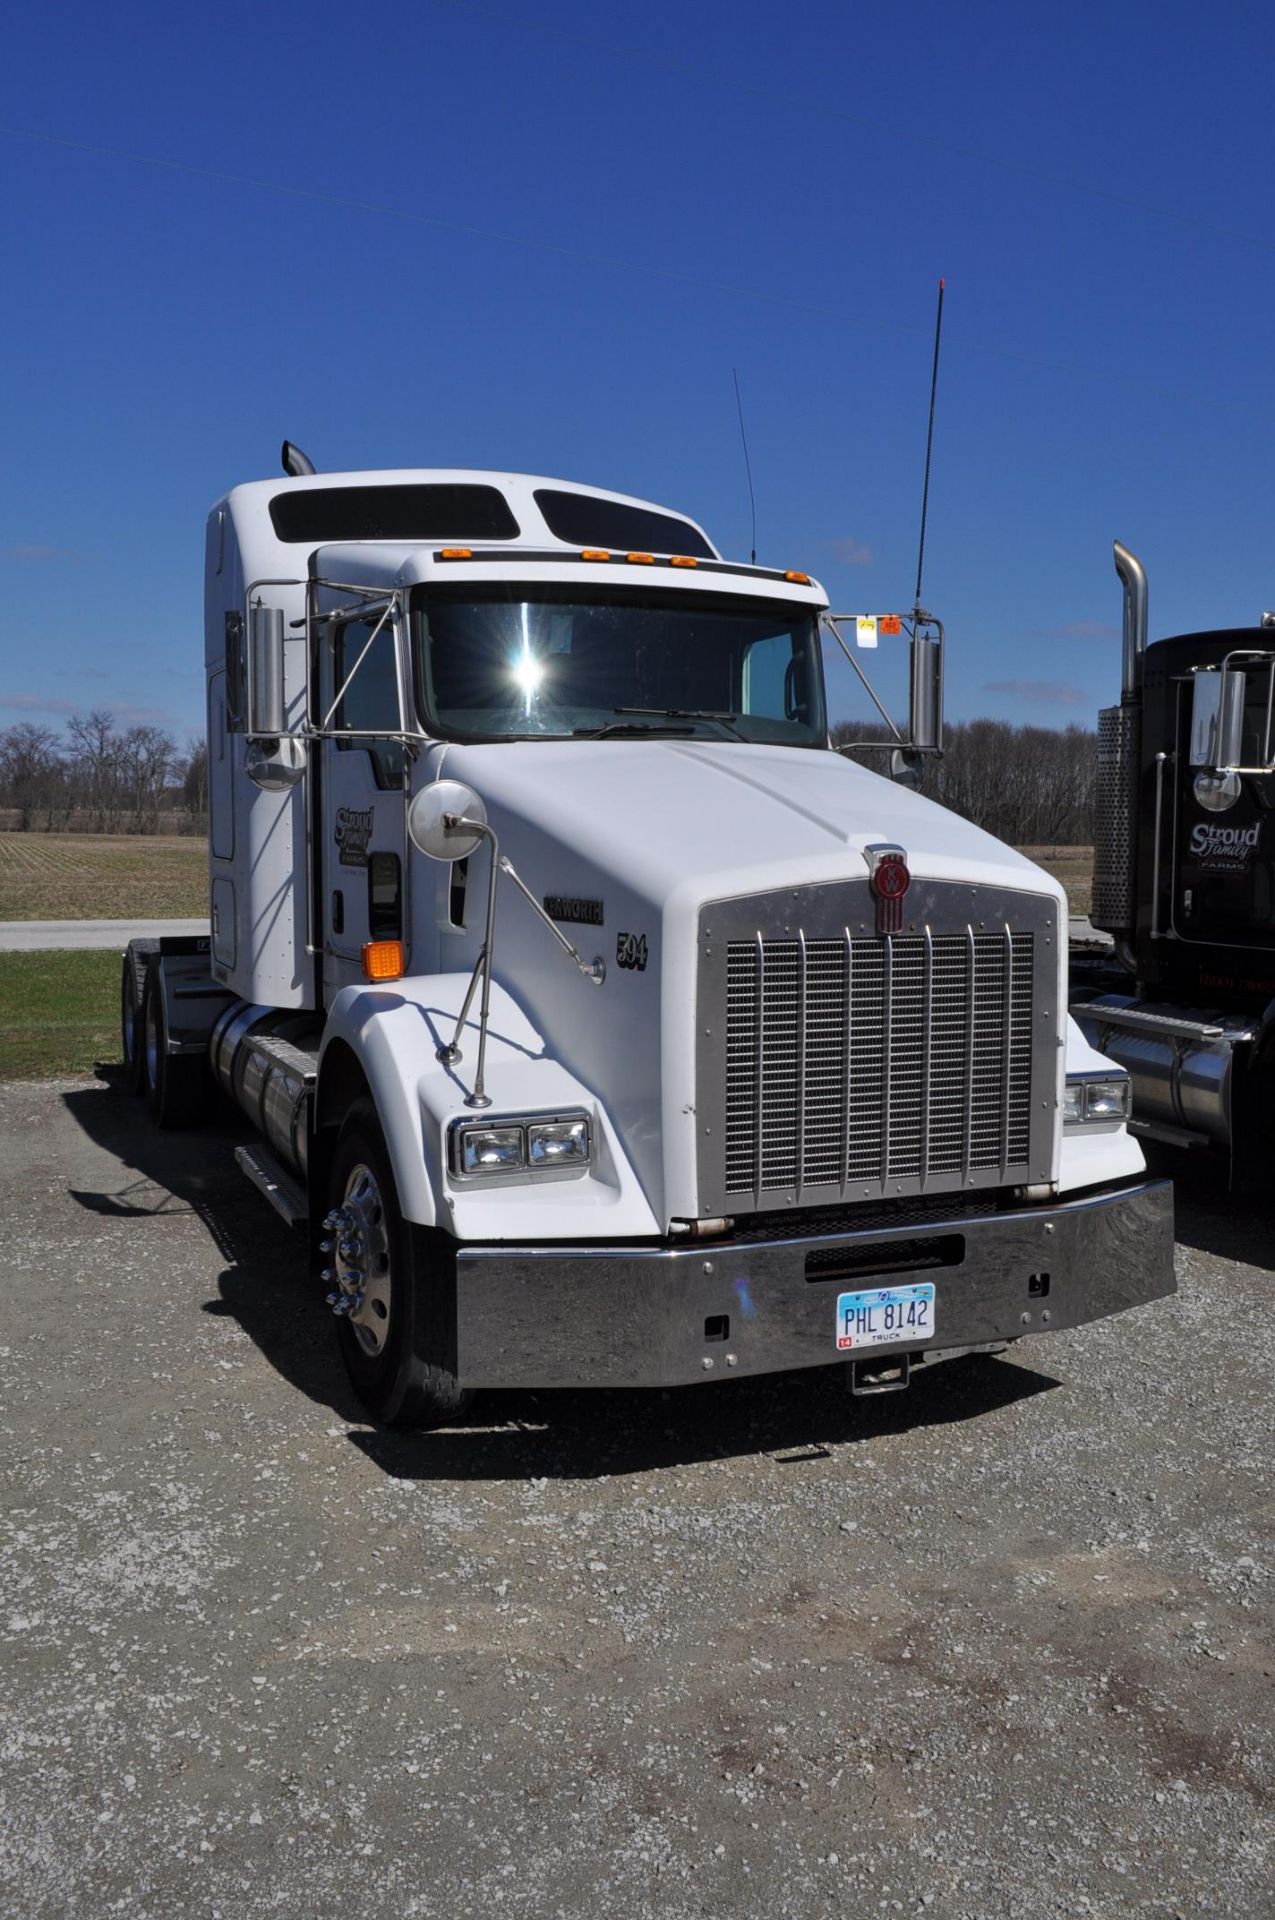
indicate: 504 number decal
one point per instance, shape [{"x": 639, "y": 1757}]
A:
[{"x": 630, "y": 951}]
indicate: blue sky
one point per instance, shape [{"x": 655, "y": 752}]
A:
[{"x": 479, "y": 234}]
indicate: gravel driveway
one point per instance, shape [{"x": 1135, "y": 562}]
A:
[{"x": 998, "y": 1646}]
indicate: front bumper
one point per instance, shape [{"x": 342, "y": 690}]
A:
[{"x": 596, "y": 1316}]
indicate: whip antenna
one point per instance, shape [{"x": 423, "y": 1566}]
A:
[
  {"x": 739, "y": 408},
  {"x": 929, "y": 444}
]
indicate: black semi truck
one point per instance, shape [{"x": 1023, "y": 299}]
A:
[{"x": 1184, "y": 881}]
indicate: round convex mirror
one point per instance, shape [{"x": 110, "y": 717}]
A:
[{"x": 444, "y": 820}]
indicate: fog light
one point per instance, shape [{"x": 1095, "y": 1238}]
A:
[
  {"x": 558, "y": 1143},
  {"x": 491, "y": 1149}
]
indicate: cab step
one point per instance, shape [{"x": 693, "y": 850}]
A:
[{"x": 285, "y": 1195}]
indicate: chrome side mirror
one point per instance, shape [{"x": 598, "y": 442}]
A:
[
  {"x": 276, "y": 762},
  {"x": 927, "y": 690},
  {"x": 265, "y": 718},
  {"x": 1217, "y": 718},
  {"x": 446, "y": 820}
]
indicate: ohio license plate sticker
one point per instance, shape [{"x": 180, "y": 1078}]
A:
[{"x": 883, "y": 1316}]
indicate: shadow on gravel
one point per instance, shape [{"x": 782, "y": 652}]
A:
[
  {"x": 507, "y": 1436},
  {"x": 795, "y": 1418},
  {"x": 264, "y": 1284},
  {"x": 1212, "y": 1219}
]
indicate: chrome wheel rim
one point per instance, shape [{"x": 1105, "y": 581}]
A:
[{"x": 362, "y": 1259}]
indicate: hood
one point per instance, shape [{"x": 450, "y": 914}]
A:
[
  {"x": 717, "y": 819},
  {"x": 627, "y": 841}
]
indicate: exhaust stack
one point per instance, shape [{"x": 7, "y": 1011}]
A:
[
  {"x": 295, "y": 462},
  {"x": 1134, "y": 580},
  {"x": 1115, "y": 862}
]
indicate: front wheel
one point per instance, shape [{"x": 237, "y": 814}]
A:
[{"x": 379, "y": 1278}]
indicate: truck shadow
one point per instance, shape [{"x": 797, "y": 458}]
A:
[
  {"x": 1211, "y": 1218},
  {"x": 265, "y": 1287}
]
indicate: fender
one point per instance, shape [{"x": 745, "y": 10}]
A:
[{"x": 394, "y": 1033}]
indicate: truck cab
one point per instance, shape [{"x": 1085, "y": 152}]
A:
[
  {"x": 603, "y": 1024},
  {"x": 1184, "y": 882}
]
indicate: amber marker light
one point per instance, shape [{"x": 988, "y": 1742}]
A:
[
  {"x": 383, "y": 959},
  {"x": 798, "y": 579},
  {"x": 457, "y": 553},
  {"x": 682, "y": 560},
  {"x": 594, "y": 553},
  {"x": 641, "y": 559}
]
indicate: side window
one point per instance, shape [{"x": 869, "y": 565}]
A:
[
  {"x": 370, "y": 703},
  {"x": 771, "y": 680}
]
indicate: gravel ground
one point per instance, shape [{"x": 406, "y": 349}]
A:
[{"x": 998, "y": 1646}]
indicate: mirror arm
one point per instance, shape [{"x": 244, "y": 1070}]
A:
[
  {"x": 831, "y": 621},
  {"x": 595, "y": 971},
  {"x": 479, "y": 1097}
]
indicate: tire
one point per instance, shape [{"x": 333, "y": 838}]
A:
[
  {"x": 132, "y": 991},
  {"x": 392, "y": 1342},
  {"x": 175, "y": 1084}
]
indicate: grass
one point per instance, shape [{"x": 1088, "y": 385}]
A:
[
  {"x": 59, "y": 1013},
  {"x": 102, "y": 876},
  {"x": 1073, "y": 866}
]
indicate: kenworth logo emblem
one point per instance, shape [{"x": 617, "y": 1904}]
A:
[
  {"x": 1224, "y": 845},
  {"x": 889, "y": 880}
]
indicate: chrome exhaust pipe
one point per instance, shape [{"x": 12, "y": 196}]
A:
[{"x": 1134, "y": 581}]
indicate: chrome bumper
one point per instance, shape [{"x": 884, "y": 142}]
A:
[{"x": 589, "y": 1316}]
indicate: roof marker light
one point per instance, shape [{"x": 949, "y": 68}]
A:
[
  {"x": 798, "y": 579},
  {"x": 641, "y": 559},
  {"x": 682, "y": 560},
  {"x": 457, "y": 553},
  {"x": 594, "y": 553}
]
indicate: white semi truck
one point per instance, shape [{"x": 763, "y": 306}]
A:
[{"x": 601, "y": 1024}]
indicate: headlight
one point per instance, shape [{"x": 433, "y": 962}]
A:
[
  {"x": 558, "y": 1143},
  {"x": 1095, "y": 1100},
  {"x": 538, "y": 1145},
  {"x": 491, "y": 1149}
]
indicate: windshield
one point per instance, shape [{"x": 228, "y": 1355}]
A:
[{"x": 521, "y": 664}]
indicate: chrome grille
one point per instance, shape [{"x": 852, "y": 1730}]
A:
[{"x": 860, "y": 1063}]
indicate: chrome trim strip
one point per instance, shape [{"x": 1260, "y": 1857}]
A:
[
  {"x": 1006, "y": 1045},
  {"x": 927, "y": 1001},
  {"x": 887, "y": 988},
  {"x": 971, "y": 978}
]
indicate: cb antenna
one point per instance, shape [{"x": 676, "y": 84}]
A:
[
  {"x": 917, "y": 609},
  {"x": 739, "y": 408}
]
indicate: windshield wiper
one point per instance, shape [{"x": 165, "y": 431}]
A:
[
  {"x": 632, "y": 727},
  {"x": 689, "y": 713}
]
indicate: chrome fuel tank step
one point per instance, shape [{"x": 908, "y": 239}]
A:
[{"x": 1181, "y": 1062}]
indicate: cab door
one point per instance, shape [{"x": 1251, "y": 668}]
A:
[{"x": 363, "y": 858}]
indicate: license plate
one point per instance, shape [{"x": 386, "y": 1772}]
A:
[{"x": 882, "y": 1316}]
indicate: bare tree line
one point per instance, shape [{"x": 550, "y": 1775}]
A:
[
  {"x": 99, "y": 778},
  {"x": 1030, "y": 786}
]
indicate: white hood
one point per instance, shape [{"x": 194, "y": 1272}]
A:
[
  {"x": 718, "y": 819},
  {"x": 640, "y": 835}
]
